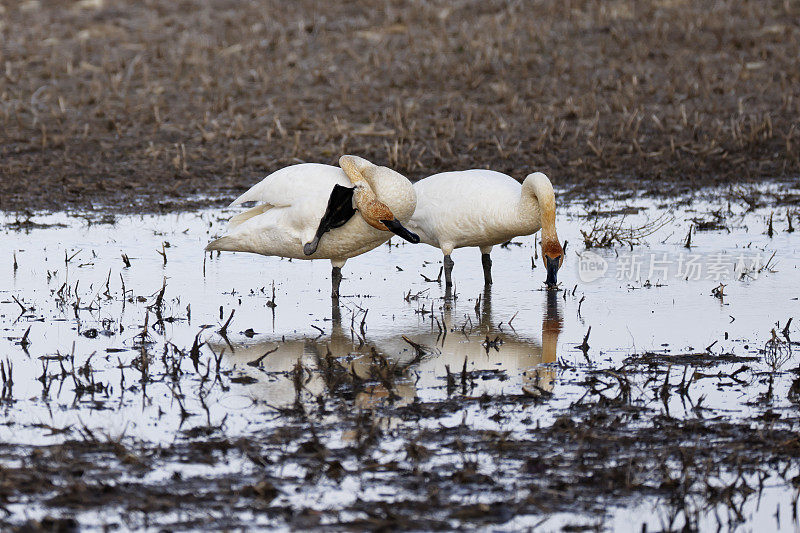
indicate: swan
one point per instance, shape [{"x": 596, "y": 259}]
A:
[
  {"x": 483, "y": 208},
  {"x": 308, "y": 211}
]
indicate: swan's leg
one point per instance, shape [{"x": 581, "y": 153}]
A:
[
  {"x": 336, "y": 280},
  {"x": 486, "y": 259},
  {"x": 448, "y": 271},
  {"x": 447, "y": 249},
  {"x": 336, "y": 277}
]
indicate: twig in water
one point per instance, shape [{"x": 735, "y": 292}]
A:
[
  {"x": 257, "y": 361},
  {"x": 464, "y": 377},
  {"x": 194, "y": 352},
  {"x": 451, "y": 381},
  {"x": 163, "y": 253},
  {"x": 363, "y": 326},
  {"x": 20, "y": 305},
  {"x": 438, "y": 278},
  {"x": 584, "y": 346},
  {"x": 67, "y": 259},
  {"x": 420, "y": 349},
  {"x": 718, "y": 291},
  {"x": 512, "y": 319},
  {"x": 224, "y": 329},
  {"x": 777, "y": 352},
  {"x": 24, "y": 342}
]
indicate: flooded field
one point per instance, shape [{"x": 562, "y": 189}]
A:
[{"x": 146, "y": 385}]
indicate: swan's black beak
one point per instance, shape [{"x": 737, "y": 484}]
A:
[
  {"x": 395, "y": 227},
  {"x": 552, "y": 264}
]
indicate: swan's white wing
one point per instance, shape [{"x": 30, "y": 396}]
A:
[
  {"x": 247, "y": 215},
  {"x": 290, "y": 203},
  {"x": 298, "y": 184},
  {"x": 287, "y": 185},
  {"x": 272, "y": 231}
]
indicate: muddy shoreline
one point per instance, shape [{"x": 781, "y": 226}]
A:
[{"x": 582, "y": 464}]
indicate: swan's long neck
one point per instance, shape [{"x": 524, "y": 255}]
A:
[
  {"x": 364, "y": 197},
  {"x": 537, "y": 192},
  {"x": 355, "y": 168}
]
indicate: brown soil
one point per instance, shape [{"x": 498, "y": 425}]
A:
[
  {"x": 153, "y": 104},
  {"x": 609, "y": 449}
]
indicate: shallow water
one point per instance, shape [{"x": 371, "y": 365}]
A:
[{"x": 68, "y": 274}]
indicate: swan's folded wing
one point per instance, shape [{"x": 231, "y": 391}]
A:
[
  {"x": 271, "y": 232},
  {"x": 307, "y": 184},
  {"x": 286, "y": 186}
]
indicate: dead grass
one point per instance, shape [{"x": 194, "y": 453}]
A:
[
  {"x": 119, "y": 102},
  {"x": 606, "y": 233}
]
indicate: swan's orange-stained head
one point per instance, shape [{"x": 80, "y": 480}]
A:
[
  {"x": 372, "y": 210},
  {"x": 553, "y": 256},
  {"x": 378, "y": 215}
]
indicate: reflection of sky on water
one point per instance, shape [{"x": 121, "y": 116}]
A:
[
  {"x": 384, "y": 289},
  {"x": 538, "y": 330}
]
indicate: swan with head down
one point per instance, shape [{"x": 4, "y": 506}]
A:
[{"x": 483, "y": 208}]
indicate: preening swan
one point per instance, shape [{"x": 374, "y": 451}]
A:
[
  {"x": 315, "y": 211},
  {"x": 483, "y": 208}
]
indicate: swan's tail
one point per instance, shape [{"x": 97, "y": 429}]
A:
[{"x": 224, "y": 244}]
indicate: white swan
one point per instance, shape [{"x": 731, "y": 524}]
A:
[
  {"x": 308, "y": 211},
  {"x": 483, "y": 208}
]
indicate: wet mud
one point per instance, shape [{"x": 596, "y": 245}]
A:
[
  {"x": 147, "y": 385},
  {"x": 167, "y": 106}
]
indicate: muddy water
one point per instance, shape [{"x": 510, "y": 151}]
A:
[{"x": 90, "y": 318}]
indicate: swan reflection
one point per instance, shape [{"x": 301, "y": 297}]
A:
[{"x": 401, "y": 365}]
